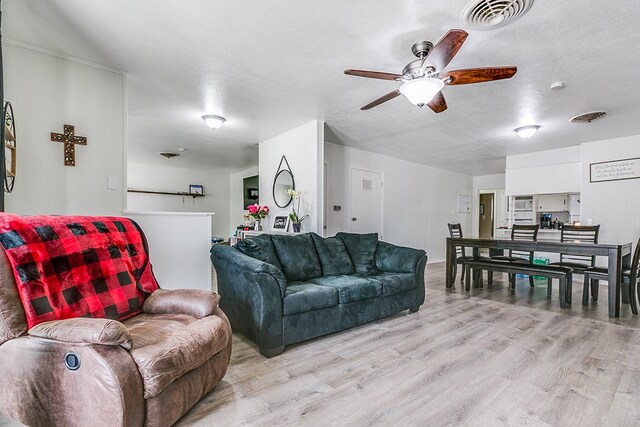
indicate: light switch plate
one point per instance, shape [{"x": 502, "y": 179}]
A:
[{"x": 112, "y": 183}]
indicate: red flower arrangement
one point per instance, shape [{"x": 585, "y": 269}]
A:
[{"x": 258, "y": 211}]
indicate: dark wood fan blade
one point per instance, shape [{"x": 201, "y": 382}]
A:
[
  {"x": 478, "y": 75},
  {"x": 372, "y": 74},
  {"x": 444, "y": 51},
  {"x": 382, "y": 99},
  {"x": 438, "y": 104}
]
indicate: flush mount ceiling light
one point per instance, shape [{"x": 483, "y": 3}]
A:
[
  {"x": 527, "y": 131},
  {"x": 422, "y": 90},
  {"x": 214, "y": 122}
]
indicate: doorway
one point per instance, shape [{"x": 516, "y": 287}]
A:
[
  {"x": 486, "y": 216},
  {"x": 366, "y": 202}
]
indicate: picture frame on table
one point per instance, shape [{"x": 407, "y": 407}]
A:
[
  {"x": 196, "y": 189},
  {"x": 280, "y": 223}
]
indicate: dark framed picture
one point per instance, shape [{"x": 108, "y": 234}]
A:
[
  {"x": 196, "y": 189},
  {"x": 253, "y": 193},
  {"x": 281, "y": 223},
  {"x": 481, "y": 209}
]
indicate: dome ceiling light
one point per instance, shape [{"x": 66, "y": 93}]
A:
[{"x": 214, "y": 122}]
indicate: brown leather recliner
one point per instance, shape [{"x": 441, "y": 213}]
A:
[{"x": 147, "y": 370}]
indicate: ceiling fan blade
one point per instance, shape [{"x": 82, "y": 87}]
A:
[
  {"x": 373, "y": 74},
  {"x": 438, "y": 104},
  {"x": 444, "y": 51},
  {"x": 382, "y": 99},
  {"x": 478, "y": 75}
]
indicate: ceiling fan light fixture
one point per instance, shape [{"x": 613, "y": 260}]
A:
[
  {"x": 527, "y": 131},
  {"x": 214, "y": 122},
  {"x": 421, "y": 91}
]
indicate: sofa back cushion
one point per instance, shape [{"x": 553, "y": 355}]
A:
[
  {"x": 333, "y": 256},
  {"x": 260, "y": 247},
  {"x": 298, "y": 257},
  {"x": 362, "y": 250}
]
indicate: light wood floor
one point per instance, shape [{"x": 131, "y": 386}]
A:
[{"x": 491, "y": 357}]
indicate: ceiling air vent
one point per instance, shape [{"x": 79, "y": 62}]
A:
[
  {"x": 169, "y": 154},
  {"x": 588, "y": 117},
  {"x": 490, "y": 14}
]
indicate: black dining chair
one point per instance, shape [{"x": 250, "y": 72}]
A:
[
  {"x": 455, "y": 230},
  {"x": 630, "y": 279},
  {"x": 518, "y": 232},
  {"x": 579, "y": 263}
]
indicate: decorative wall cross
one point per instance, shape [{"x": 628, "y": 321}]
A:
[{"x": 69, "y": 139}]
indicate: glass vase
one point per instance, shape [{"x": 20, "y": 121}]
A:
[
  {"x": 257, "y": 225},
  {"x": 296, "y": 227}
]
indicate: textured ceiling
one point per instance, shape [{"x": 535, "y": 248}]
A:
[{"x": 268, "y": 66}]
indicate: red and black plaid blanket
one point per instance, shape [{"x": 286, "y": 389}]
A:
[{"x": 77, "y": 266}]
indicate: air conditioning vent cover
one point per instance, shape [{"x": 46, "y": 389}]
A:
[
  {"x": 588, "y": 117},
  {"x": 490, "y": 14}
]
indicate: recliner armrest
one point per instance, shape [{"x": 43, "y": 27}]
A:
[
  {"x": 193, "y": 302},
  {"x": 84, "y": 330}
]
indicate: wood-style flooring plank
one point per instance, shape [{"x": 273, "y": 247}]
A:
[{"x": 492, "y": 356}]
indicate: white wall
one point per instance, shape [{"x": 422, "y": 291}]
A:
[
  {"x": 236, "y": 199},
  {"x": 304, "y": 149},
  {"x": 46, "y": 92},
  {"x": 487, "y": 184},
  {"x": 544, "y": 172},
  {"x": 615, "y": 205},
  {"x": 419, "y": 200},
  {"x": 173, "y": 179}
]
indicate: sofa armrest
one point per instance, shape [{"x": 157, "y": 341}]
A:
[
  {"x": 193, "y": 302},
  {"x": 398, "y": 259},
  {"x": 251, "y": 295},
  {"x": 84, "y": 330}
]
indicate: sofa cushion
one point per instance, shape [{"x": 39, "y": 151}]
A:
[
  {"x": 298, "y": 257},
  {"x": 362, "y": 250},
  {"x": 259, "y": 247},
  {"x": 166, "y": 346},
  {"x": 351, "y": 288},
  {"x": 393, "y": 283},
  {"x": 333, "y": 255},
  {"x": 302, "y": 297}
]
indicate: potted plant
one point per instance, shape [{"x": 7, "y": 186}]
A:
[
  {"x": 296, "y": 219},
  {"x": 258, "y": 213}
]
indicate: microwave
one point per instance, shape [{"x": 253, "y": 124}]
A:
[{"x": 523, "y": 204}]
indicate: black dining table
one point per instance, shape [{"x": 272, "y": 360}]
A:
[{"x": 618, "y": 257}]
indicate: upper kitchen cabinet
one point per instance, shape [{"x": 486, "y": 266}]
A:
[
  {"x": 545, "y": 172},
  {"x": 552, "y": 203}
]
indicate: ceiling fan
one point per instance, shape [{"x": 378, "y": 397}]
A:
[{"x": 423, "y": 79}]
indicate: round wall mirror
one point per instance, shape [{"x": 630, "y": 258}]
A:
[{"x": 281, "y": 183}]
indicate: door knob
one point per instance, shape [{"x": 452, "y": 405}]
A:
[{"x": 354, "y": 218}]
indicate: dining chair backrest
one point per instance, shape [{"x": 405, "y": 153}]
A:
[
  {"x": 524, "y": 232},
  {"x": 635, "y": 263},
  {"x": 579, "y": 234},
  {"x": 455, "y": 230}
]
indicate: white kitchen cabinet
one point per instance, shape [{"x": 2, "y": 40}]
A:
[
  {"x": 552, "y": 203},
  {"x": 574, "y": 204}
]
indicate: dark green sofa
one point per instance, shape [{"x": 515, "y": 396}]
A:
[{"x": 283, "y": 289}]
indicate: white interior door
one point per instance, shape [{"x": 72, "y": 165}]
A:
[{"x": 366, "y": 202}]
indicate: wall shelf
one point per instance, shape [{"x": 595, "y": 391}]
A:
[{"x": 167, "y": 193}]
